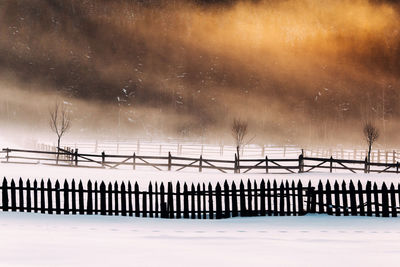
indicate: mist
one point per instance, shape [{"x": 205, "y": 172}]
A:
[{"x": 301, "y": 72}]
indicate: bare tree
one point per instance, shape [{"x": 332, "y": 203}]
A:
[
  {"x": 60, "y": 122},
  {"x": 371, "y": 134},
  {"x": 239, "y": 132}
]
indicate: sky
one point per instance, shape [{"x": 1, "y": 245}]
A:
[{"x": 307, "y": 72}]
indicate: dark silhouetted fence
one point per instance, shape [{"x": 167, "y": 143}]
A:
[{"x": 201, "y": 201}]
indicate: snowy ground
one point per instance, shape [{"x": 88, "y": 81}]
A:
[
  {"x": 318, "y": 240},
  {"x": 312, "y": 240}
]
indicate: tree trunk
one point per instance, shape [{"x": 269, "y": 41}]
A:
[
  {"x": 58, "y": 149},
  {"x": 238, "y": 158}
]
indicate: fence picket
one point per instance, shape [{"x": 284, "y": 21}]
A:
[
  {"x": 103, "y": 208},
  {"x": 281, "y": 199},
  {"x": 130, "y": 203},
  {"x": 198, "y": 201},
  {"x": 178, "y": 200},
  {"x": 275, "y": 189},
  {"x": 110, "y": 199},
  {"x": 385, "y": 201},
  {"x": 49, "y": 198},
  {"x": 58, "y": 198},
  {"x": 13, "y": 196},
  {"x": 73, "y": 197},
  {"x": 96, "y": 198},
  {"x": 255, "y": 209},
  {"x": 376, "y": 200},
  {"x": 328, "y": 198},
  {"x": 218, "y": 202},
  {"x": 262, "y": 198},
  {"x": 170, "y": 201},
  {"x": 235, "y": 212},
  {"x": 337, "y": 199},
  {"x": 35, "y": 196},
  {"x": 156, "y": 200},
  {"x": 4, "y": 195},
  {"x": 66, "y": 197},
  {"x": 144, "y": 204},
  {"x": 116, "y": 199},
  {"x": 242, "y": 200},
  {"x": 369, "y": 198},
  {"x": 123, "y": 199},
  {"x": 288, "y": 212},
  {"x": 151, "y": 212},
  {"x": 137, "y": 205},
  {"x": 227, "y": 212},
  {"x": 185, "y": 201},
  {"x": 193, "y": 209},
  {"x": 204, "y": 202},
  {"x": 393, "y": 201},
  {"x": 81, "y": 198},
  {"x": 301, "y": 211},
  {"x": 89, "y": 204},
  {"x": 353, "y": 201},
  {"x": 28, "y": 196},
  {"x": 361, "y": 198},
  {"x": 249, "y": 211},
  {"x": 269, "y": 199},
  {"x": 21, "y": 195},
  {"x": 344, "y": 199},
  {"x": 320, "y": 193},
  {"x": 210, "y": 202}
]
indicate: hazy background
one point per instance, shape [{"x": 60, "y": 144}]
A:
[{"x": 306, "y": 72}]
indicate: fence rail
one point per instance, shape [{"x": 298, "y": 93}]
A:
[
  {"x": 300, "y": 164},
  {"x": 201, "y": 201}
]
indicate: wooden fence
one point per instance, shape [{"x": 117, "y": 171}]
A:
[
  {"x": 201, "y": 201},
  {"x": 174, "y": 163}
]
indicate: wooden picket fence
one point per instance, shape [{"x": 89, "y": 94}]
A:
[
  {"x": 173, "y": 163},
  {"x": 201, "y": 201}
]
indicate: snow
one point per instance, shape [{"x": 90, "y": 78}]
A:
[{"x": 313, "y": 240}]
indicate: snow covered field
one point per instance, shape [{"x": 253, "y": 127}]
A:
[{"x": 313, "y": 240}]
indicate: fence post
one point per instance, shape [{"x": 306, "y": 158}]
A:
[
  {"x": 49, "y": 197},
  {"x": 394, "y": 156},
  {"x": 218, "y": 201},
  {"x": 227, "y": 212},
  {"x": 385, "y": 201},
  {"x": 137, "y": 206},
  {"x": 266, "y": 164},
  {"x": 235, "y": 165},
  {"x": 243, "y": 212},
  {"x": 169, "y": 161},
  {"x": 210, "y": 202},
  {"x": 234, "y": 201},
  {"x": 66, "y": 198},
  {"x": 330, "y": 164},
  {"x": 397, "y": 167},
  {"x": 365, "y": 165},
  {"x": 368, "y": 193},
  {"x": 178, "y": 200},
  {"x": 198, "y": 201},
  {"x": 262, "y": 198},
  {"x": 89, "y": 205},
  {"x": 81, "y": 198},
  {"x": 76, "y": 157},
  {"x": 301, "y": 163},
  {"x": 134, "y": 161},
  {"x": 103, "y": 158},
  {"x": 4, "y": 195},
  {"x": 28, "y": 196},
  {"x": 201, "y": 164},
  {"x": 58, "y": 198},
  {"x": 193, "y": 200},
  {"x": 393, "y": 201},
  {"x": 102, "y": 198},
  {"x": 7, "y": 155}
]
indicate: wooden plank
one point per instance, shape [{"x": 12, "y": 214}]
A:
[
  {"x": 235, "y": 212},
  {"x": 28, "y": 196},
  {"x": 275, "y": 190},
  {"x": 163, "y": 205},
  {"x": 328, "y": 194},
  {"x": 249, "y": 199},
  {"x": 258, "y": 164},
  {"x": 288, "y": 208},
  {"x": 103, "y": 208},
  {"x": 185, "y": 201},
  {"x": 263, "y": 211},
  {"x": 66, "y": 197},
  {"x": 294, "y": 196},
  {"x": 210, "y": 202},
  {"x": 89, "y": 202},
  {"x": 21, "y": 195},
  {"x": 148, "y": 163},
  {"x": 81, "y": 198},
  {"x": 156, "y": 210},
  {"x": 42, "y": 199},
  {"x": 320, "y": 193},
  {"x": 393, "y": 206},
  {"x": 193, "y": 207},
  {"x": 242, "y": 197},
  {"x": 130, "y": 200},
  {"x": 35, "y": 196},
  {"x": 204, "y": 202},
  {"x": 361, "y": 198},
  {"x": 96, "y": 198},
  {"x": 269, "y": 199},
  {"x": 218, "y": 168},
  {"x": 58, "y": 197},
  {"x": 170, "y": 201},
  {"x": 255, "y": 208},
  {"x": 369, "y": 198},
  {"x": 280, "y": 166},
  {"x": 13, "y": 196},
  {"x": 4, "y": 195},
  {"x": 73, "y": 197},
  {"x": 281, "y": 199},
  {"x": 49, "y": 197},
  {"x": 353, "y": 201},
  {"x": 344, "y": 199},
  {"x": 137, "y": 204},
  {"x": 151, "y": 212},
  {"x": 198, "y": 201},
  {"x": 218, "y": 202},
  {"x": 227, "y": 212},
  {"x": 110, "y": 199},
  {"x": 337, "y": 199},
  {"x": 178, "y": 200},
  {"x": 376, "y": 200},
  {"x": 385, "y": 200},
  {"x": 189, "y": 165},
  {"x": 144, "y": 204}
]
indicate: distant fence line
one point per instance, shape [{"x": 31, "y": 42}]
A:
[
  {"x": 201, "y": 201},
  {"x": 179, "y": 148},
  {"x": 301, "y": 164}
]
